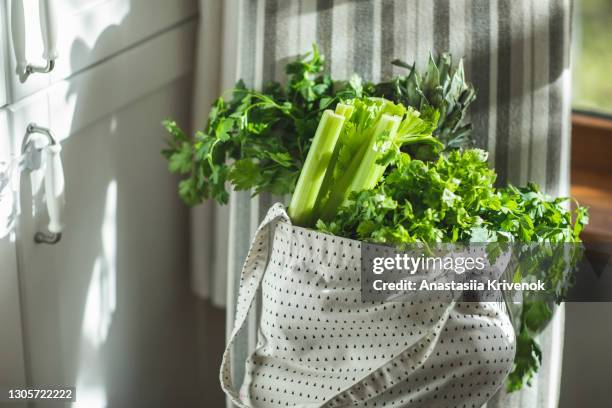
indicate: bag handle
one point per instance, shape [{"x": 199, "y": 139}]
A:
[
  {"x": 393, "y": 371},
  {"x": 250, "y": 279}
]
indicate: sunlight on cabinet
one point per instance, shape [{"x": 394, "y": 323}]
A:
[
  {"x": 100, "y": 306},
  {"x": 7, "y": 199},
  {"x": 102, "y": 292},
  {"x": 92, "y": 20}
]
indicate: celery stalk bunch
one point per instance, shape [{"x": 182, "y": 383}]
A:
[{"x": 351, "y": 150}]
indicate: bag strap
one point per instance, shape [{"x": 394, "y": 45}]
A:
[
  {"x": 394, "y": 371},
  {"x": 250, "y": 280}
]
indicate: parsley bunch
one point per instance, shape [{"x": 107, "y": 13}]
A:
[
  {"x": 453, "y": 199},
  {"x": 420, "y": 201},
  {"x": 256, "y": 139}
]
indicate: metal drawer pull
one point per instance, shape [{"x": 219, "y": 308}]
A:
[
  {"x": 54, "y": 182},
  {"x": 48, "y": 30}
]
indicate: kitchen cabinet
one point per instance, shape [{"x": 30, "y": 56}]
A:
[
  {"x": 12, "y": 364},
  {"x": 108, "y": 308},
  {"x": 89, "y": 32}
]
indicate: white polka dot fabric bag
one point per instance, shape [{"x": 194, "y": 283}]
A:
[{"x": 320, "y": 346}]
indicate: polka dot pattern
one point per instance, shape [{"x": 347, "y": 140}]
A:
[{"x": 320, "y": 346}]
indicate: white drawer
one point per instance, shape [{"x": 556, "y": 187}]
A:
[
  {"x": 72, "y": 104},
  {"x": 89, "y": 32}
]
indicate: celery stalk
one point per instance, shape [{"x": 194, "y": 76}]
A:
[
  {"x": 344, "y": 110},
  {"x": 369, "y": 172},
  {"x": 312, "y": 175},
  {"x": 358, "y": 176}
]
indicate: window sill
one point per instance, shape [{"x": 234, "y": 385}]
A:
[
  {"x": 594, "y": 190},
  {"x": 591, "y": 173}
]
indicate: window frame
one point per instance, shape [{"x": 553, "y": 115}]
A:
[{"x": 591, "y": 170}]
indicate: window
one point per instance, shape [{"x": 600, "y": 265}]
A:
[
  {"x": 593, "y": 56},
  {"x": 592, "y": 119}
]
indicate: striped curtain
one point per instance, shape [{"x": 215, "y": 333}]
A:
[{"x": 516, "y": 53}]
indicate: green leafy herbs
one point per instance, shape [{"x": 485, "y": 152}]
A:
[
  {"x": 255, "y": 139},
  {"x": 526, "y": 361},
  {"x": 420, "y": 201},
  {"x": 258, "y": 140},
  {"x": 453, "y": 199},
  {"x": 442, "y": 88},
  {"x": 388, "y": 164}
]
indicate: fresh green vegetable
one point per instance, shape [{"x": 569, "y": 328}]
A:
[
  {"x": 527, "y": 359},
  {"x": 366, "y": 172},
  {"x": 454, "y": 200},
  {"x": 255, "y": 140},
  {"x": 441, "y": 88},
  {"x": 421, "y": 201},
  {"x": 378, "y": 180},
  {"x": 320, "y": 153},
  {"x": 344, "y": 110},
  {"x": 371, "y": 137},
  {"x": 258, "y": 140},
  {"x": 363, "y": 164}
]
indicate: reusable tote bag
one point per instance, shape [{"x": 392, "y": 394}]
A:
[{"x": 319, "y": 345}]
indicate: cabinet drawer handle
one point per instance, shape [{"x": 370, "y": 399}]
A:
[
  {"x": 54, "y": 183},
  {"x": 48, "y": 30}
]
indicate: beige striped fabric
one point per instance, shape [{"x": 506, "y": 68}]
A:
[{"x": 516, "y": 54}]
